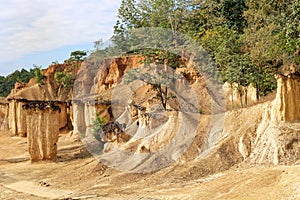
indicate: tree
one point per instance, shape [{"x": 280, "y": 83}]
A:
[
  {"x": 99, "y": 122},
  {"x": 64, "y": 80},
  {"x": 167, "y": 14},
  {"x": 264, "y": 43},
  {"x": 248, "y": 39},
  {"x": 98, "y": 44},
  {"x": 38, "y": 75},
  {"x": 7, "y": 83},
  {"x": 225, "y": 46},
  {"x": 77, "y": 56},
  {"x": 232, "y": 12}
]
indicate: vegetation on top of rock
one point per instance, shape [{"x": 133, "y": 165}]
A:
[
  {"x": 38, "y": 75},
  {"x": 64, "y": 79},
  {"x": 7, "y": 83},
  {"x": 77, "y": 56}
]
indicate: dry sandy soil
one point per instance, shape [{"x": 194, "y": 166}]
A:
[{"x": 77, "y": 175}]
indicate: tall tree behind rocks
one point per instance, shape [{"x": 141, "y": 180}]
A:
[
  {"x": 272, "y": 37},
  {"x": 7, "y": 83},
  {"x": 248, "y": 39},
  {"x": 132, "y": 14}
]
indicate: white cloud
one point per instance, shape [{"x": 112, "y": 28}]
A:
[{"x": 29, "y": 26}]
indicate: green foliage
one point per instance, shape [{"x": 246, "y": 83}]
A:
[
  {"x": 232, "y": 11},
  {"x": 7, "y": 83},
  {"x": 77, "y": 56},
  {"x": 132, "y": 14},
  {"x": 38, "y": 76},
  {"x": 158, "y": 56},
  {"x": 99, "y": 122},
  {"x": 64, "y": 79}
]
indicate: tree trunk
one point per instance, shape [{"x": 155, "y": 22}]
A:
[{"x": 160, "y": 94}]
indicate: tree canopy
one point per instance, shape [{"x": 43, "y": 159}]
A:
[
  {"x": 7, "y": 83},
  {"x": 249, "y": 40}
]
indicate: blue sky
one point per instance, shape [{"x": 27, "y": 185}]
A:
[{"x": 42, "y": 31}]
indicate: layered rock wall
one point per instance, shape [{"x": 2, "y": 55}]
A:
[{"x": 278, "y": 134}]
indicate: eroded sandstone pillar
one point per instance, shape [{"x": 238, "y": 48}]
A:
[
  {"x": 287, "y": 102},
  {"x": 43, "y": 131},
  {"x": 4, "y": 116},
  {"x": 12, "y": 118}
]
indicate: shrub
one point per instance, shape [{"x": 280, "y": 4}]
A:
[
  {"x": 64, "y": 79},
  {"x": 38, "y": 76},
  {"x": 99, "y": 122}
]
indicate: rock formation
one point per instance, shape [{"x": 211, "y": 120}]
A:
[
  {"x": 278, "y": 135},
  {"x": 4, "y": 110},
  {"x": 287, "y": 103},
  {"x": 43, "y": 130},
  {"x": 239, "y": 96},
  {"x": 264, "y": 134},
  {"x": 48, "y": 91}
]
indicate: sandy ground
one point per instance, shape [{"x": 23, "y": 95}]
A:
[{"x": 77, "y": 175}]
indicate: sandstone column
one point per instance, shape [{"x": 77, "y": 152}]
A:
[
  {"x": 43, "y": 131},
  {"x": 12, "y": 119},
  {"x": 4, "y": 116},
  {"x": 78, "y": 118},
  {"x": 287, "y": 102}
]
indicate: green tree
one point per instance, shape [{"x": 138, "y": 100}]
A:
[
  {"x": 232, "y": 12},
  {"x": 265, "y": 45},
  {"x": 77, "y": 56},
  {"x": 99, "y": 122},
  {"x": 225, "y": 46},
  {"x": 7, "y": 83},
  {"x": 38, "y": 75},
  {"x": 167, "y": 14},
  {"x": 64, "y": 80}
]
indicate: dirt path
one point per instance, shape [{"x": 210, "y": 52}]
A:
[{"x": 77, "y": 175}]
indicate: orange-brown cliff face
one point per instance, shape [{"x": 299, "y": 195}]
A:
[
  {"x": 96, "y": 78},
  {"x": 95, "y": 82},
  {"x": 110, "y": 75}
]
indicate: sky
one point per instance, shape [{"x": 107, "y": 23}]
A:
[{"x": 39, "y": 32}]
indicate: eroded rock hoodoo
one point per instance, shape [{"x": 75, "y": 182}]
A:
[
  {"x": 43, "y": 129},
  {"x": 277, "y": 137},
  {"x": 40, "y": 112},
  {"x": 287, "y": 103}
]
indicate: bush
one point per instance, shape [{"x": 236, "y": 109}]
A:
[
  {"x": 38, "y": 76},
  {"x": 64, "y": 79},
  {"x": 99, "y": 122}
]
